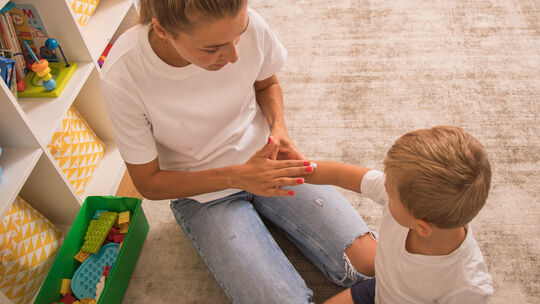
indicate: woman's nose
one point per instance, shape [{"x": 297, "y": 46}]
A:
[{"x": 232, "y": 54}]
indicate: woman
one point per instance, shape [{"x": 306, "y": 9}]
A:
[{"x": 192, "y": 95}]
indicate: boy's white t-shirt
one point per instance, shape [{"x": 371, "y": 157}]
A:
[
  {"x": 461, "y": 277},
  {"x": 191, "y": 118}
]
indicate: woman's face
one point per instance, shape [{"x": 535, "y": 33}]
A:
[{"x": 213, "y": 45}]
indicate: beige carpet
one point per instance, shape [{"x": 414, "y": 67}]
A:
[{"x": 360, "y": 74}]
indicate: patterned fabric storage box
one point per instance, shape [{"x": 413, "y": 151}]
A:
[
  {"x": 77, "y": 149},
  {"x": 28, "y": 245},
  {"x": 83, "y": 9}
]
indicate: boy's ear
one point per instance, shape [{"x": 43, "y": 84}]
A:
[{"x": 423, "y": 228}]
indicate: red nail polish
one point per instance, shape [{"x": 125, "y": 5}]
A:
[
  {"x": 291, "y": 193},
  {"x": 309, "y": 169},
  {"x": 300, "y": 180},
  {"x": 306, "y": 163},
  {"x": 269, "y": 139}
]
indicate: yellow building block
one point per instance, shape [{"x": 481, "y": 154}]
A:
[
  {"x": 82, "y": 256},
  {"x": 124, "y": 228},
  {"x": 87, "y": 301},
  {"x": 65, "y": 289},
  {"x": 123, "y": 218}
]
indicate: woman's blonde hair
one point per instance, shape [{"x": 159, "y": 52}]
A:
[
  {"x": 442, "y": 175},
  {"x": 177, "y": 16}
]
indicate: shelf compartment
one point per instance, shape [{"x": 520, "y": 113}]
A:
[
  {"x": 43, "y": 113},
  {"x": 108, "y": 173},
  {"x": 102, "y": 25},
  {"x": 17, "y": 164}
]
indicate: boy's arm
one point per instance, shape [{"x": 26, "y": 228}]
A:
[{"x": 339, "y": 174}]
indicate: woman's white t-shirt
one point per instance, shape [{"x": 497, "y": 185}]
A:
[
  {"x": 191, "y": 118},
  {"x": 460, "y": 277}
]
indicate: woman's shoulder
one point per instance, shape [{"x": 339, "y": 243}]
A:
[{"x": 123, "y": 49}]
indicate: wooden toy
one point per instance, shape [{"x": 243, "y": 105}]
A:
[{"x": 42, "y": 70}]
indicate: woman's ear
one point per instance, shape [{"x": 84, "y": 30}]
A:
[
  {"x": 159, "y": 30},
  {"x": 423, "y": 228}
]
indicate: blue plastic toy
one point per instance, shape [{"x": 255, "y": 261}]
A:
[{"x": 86, "y": 277}]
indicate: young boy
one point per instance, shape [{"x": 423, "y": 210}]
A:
[{"x": 434, "y": 183}]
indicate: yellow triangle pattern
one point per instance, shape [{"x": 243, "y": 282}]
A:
[
  {"x": 28, "y": 245},
  {"x": 83, "y": 9},
  {"x": 77, "y": 149}
]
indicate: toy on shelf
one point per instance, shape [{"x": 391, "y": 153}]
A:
[
  {"x": 98, "y": 231},
  {"x": 47, "y": 79},
  {"x": 42, "y": 70},
  {"x": 104, "y": 55}
]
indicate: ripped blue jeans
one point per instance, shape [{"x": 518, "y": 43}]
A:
[{"x": 230, "y": 236}]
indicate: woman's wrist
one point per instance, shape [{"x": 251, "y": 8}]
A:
[{"x": 232, "y": 175}]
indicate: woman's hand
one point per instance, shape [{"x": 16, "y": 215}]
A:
[
  {"x": 263, "y": 175},
  {"x": 287, "y": 149}
]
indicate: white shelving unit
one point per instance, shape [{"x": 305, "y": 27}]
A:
[{"x": 27, "y": 124}]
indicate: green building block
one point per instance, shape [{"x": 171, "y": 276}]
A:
[{"x": 97, "y": 231}]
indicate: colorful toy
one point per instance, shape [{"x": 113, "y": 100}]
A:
[
  {"x": 123, "y": 218},
  {"x": 119, "y": 238},
  {"x": 98, "y": 231},
  {"x": 87, "y": 276},
  {"x": 103, "y": 56},
  {"x": 51, "y": 44},
  {"x": 97, "y": 213},
  {"x": 68, "y": 299},
  {"x": 106, "y": 271},
  {"x": 99, "y": 287},
  {"x": 47, "y": 79},
  {"x": 82, "y": 256},
  {"x": 42, "y": 70},
  {"x": 64, "y": 290}
]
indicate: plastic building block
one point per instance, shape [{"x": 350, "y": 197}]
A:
[
  {"x": 97, "y": 231},
  {"x": 124, "y": 228},
  {"x": 119, "y": 238},
  {"x": 64, "y": 290},
  {"x": 123, "y": 218},
  {"x": 89, "y": 273},
  {"x": 67, "y": 299},
  {"x": 99, "y": 287},
  {"x": 88, "y": 301},
  {"x": 97, "y": 213},
  {"x": 82, "y": 256},
  {"x": 106, "y": 270},
  {"x": 112, "y": 233}
]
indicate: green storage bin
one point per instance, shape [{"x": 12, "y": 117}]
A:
[{"x": 64, "y": 265}]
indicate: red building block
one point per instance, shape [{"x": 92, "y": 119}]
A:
[
  {"x": 106, "y": 271},
  {"x": 119, "y": 238}
]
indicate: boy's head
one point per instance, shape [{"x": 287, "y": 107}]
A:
[{"x": 441, "y": 175}]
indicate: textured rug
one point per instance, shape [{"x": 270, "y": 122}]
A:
[{"x": 362, "y": 73}]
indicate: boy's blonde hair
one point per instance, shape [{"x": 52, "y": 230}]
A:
[
  {"x": 178, "y": 16},
  {"x": 442, "y": 175}
]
